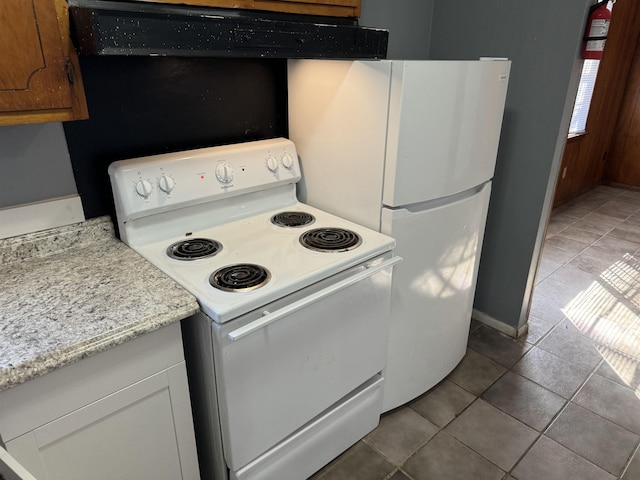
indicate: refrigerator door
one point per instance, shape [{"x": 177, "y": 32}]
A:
[
  {"x": 432, "y": 290},
  {"x": 444, "y": 127}
]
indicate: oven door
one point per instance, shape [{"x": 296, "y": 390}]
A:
[{"x": 281, "y": 366}]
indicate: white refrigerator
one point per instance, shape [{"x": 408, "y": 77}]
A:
[{"x": 407, "y": 148}]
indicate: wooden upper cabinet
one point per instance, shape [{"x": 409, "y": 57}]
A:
[
  {"x": 333, "y": 8},
  {"x": 39, "y": 75}
]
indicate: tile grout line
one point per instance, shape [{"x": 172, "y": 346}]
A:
[
  {"x": 595, "y": 369},
  {"x": 478, "y": 397},
  {"x": 555, "y": 417},
  {"x": 602, "y": 360},
  {"x": 635, "y": 452},
  {"x": 442, "y": 429},
  {"x": 539, "y": 434},
  {"x": 573, "y": 258}
]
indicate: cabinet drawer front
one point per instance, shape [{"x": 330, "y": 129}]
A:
[
  {"x": 322, "y": 440},
  {"x": 97, "y": 411},
  {"x": 41, "y": 400},
  {"x": 332, "y": 8}
]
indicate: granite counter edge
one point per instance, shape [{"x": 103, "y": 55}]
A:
[{"x": 42, "y": 364}]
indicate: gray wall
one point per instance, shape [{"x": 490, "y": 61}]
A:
[
  {"x": 34, "y": 158},
  {"x": 408, "y": 22},
  {"x": 542, "y": 39},
  {"x": 35, "y": 164}
]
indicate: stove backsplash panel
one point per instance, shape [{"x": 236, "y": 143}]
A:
[{"x": 148, "y": 105}]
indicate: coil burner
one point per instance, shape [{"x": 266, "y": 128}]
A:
[
  {"x": 330, "y": 239},
  {"x": 194, "y": 248},
  {"x": 241, "y": 277},
  {"x": 292, "y": 219}
]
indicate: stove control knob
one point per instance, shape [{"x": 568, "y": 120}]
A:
[
  {"x": 272, "y": 163},
  {"x": 144, "y": 188},
  {"x": 224, "y": 173},
  {"x": 287, "y": 161},
  {"x": 166, "y": 184}
]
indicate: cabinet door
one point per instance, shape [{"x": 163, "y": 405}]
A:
[
  {"x": 32, "y": 66},
  {"x": 35, "y": 55},
  {"x": 143, "y": 431},
  {"x": 334, "y": 8},
  {"x": 338, "y": 8}
]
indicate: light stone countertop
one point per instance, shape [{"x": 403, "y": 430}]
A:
[{"x": 74, "y": 291}]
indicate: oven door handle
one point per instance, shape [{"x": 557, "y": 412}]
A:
[{"x": 270, "y": 317}]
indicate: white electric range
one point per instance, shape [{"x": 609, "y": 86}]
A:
[{"x": 285, "y": 359}]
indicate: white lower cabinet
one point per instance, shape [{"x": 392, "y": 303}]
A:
[
  {"x": 142, "y": 430},
  {"x": 10, "y": 469}
]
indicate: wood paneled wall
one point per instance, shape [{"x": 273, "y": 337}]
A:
[
  {"x": 623, "y": 163},
  {"x": 584, "y": 159},
  {"x": 570, "y": 178}
]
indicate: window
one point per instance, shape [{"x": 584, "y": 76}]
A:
[{"x": 583, "y": 99}]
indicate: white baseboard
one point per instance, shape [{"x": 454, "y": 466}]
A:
[
  {"x": 507, "y": 329},
  {"x": 34, "y": 217}
]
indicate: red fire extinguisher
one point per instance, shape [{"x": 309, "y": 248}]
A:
[{"x": 597, "y": 29}]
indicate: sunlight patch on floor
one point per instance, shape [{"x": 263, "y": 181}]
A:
[{"x": 607, "y": 312}]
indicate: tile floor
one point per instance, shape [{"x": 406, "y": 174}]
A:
[{"x": 563, "y": 402}]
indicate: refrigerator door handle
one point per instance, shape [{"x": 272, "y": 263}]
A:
[{"x": 440, "y": 202}]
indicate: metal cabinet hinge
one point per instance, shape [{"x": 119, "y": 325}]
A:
[{"x": 68, "y": 66}]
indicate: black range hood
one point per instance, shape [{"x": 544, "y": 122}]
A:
[{"x": 138, "y": 28}]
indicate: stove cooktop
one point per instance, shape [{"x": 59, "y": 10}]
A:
[{"x": 288, "y": 265}]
